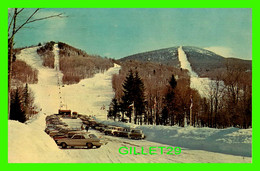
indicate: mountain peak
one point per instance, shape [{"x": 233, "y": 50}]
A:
[{"x": 204, "y": 62}]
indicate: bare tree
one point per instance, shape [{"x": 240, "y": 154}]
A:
[
  {"x": 13, "y": 29},
  {"x": 217, "y": 88}
]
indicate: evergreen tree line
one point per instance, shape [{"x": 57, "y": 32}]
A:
[
  {"x": 228, "y": 102},
  {"x": 132, "y": 103},
  {"x": 22, "y": 107}
]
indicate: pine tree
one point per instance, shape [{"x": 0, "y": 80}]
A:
[
  {"x": 164, "y": 115},
  {"x": 16, "y": 111},
  {"x": 128, "y": 97},
  {"x": 169, "y": 101},
  {"x": 173, "y": 82},
  {"x": 114, "y": 108},
  {"x": 133, "y": 94},
  {"x": 139, "y": 99},
  {"x": 26, "y": 98}
]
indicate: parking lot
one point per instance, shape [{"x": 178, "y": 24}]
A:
[{"x": 83, "y": 131}]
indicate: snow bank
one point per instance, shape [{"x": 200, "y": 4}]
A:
[
  {"x": 233, "y": 141},
  {"x": 29, "y": 144}
]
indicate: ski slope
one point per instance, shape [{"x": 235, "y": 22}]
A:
[
  {"x": 200, "y": 84},
  {"x": 28, "y": 143}
]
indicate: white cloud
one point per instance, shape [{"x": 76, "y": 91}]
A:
[{"x": 220, "y": 50}]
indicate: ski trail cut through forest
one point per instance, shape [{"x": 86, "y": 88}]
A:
[
  {"x": 185, "y": 64},
  {"x": 201, "y": 84},
  {"x": 59, "y": 75}
]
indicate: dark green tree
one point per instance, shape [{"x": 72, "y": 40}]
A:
[
  {"x": 133, "y": 97},
  {"x": 115, "y": 107},
  {"x": 16, "y": 110},
  {"x": 128, "y": 95},
  {"x": 139, "y": 98},
  {"x": 173, "y": 82},
  {"x": 26, "y": 97},
  {"x": 169, "y": 101},
  {"x": 165, "y": 116}
]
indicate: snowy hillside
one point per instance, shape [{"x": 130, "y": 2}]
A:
[{"x": 88, "y": 97}]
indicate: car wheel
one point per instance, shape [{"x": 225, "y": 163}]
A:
[
  {"x": 89, "y": 145},
  {"x": 98, "y": 146},
  {"x": 63, "y": 145}
]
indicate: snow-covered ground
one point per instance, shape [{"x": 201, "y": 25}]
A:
[
  {"x": 29, "y": 143},
  {"x": 200, "y": 84},
  {"x": 233, "y": 141}
]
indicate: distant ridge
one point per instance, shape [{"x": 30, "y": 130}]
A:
[
  {"x": 204, "y": 62},
  {"x": 167, "y": 56}
]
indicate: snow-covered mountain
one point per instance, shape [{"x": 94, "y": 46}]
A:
[
  {"x": 204, "y": 62},
  {"x": 167, "y": 56}
]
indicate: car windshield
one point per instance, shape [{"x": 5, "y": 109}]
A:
[{"x": 137, "y": 131}]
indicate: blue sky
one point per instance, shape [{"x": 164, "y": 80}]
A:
[{"x": 117, "y": 33}]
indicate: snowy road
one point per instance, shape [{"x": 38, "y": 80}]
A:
[{"x": 86, "y": 97}]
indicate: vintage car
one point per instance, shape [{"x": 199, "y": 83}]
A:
[
  {"x": 74, "y": 115},
  {"x": 59, "y": 136},
  {"x": 103, "y": 128},
  {"x": 80, "y": 140},
  {"x": 123, "y": 132},
  {"x": 136, "y": 134},
  {"x": 117, "y": 131},
  {"x": 99, "y": 126},
  {"x": 49, "y": 128},
  {"x": 109, "y": 130},
  {"x": 71, "y": 133},
  {"x": 53, "y": 132}
]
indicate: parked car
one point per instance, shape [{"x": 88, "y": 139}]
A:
[
  {"x": 109, "y": 130},
  {"x": 59, "y": 136},
  {"x": 72, "y": 133},
  {"x": 88, "y": 140},
  {"x": 53, "y": 132},
  {"x": 98, "y": 128},
  {"x": 117, "y": 131},
  {"x": 123, "y": 133},
  {"x": 48, "y": 129},
  {"x": 84, "y": 117},
  {"x": 136, "y": 134},
  {"x": 103, "y": 128},
  {"x": 74, "y": 115}
]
